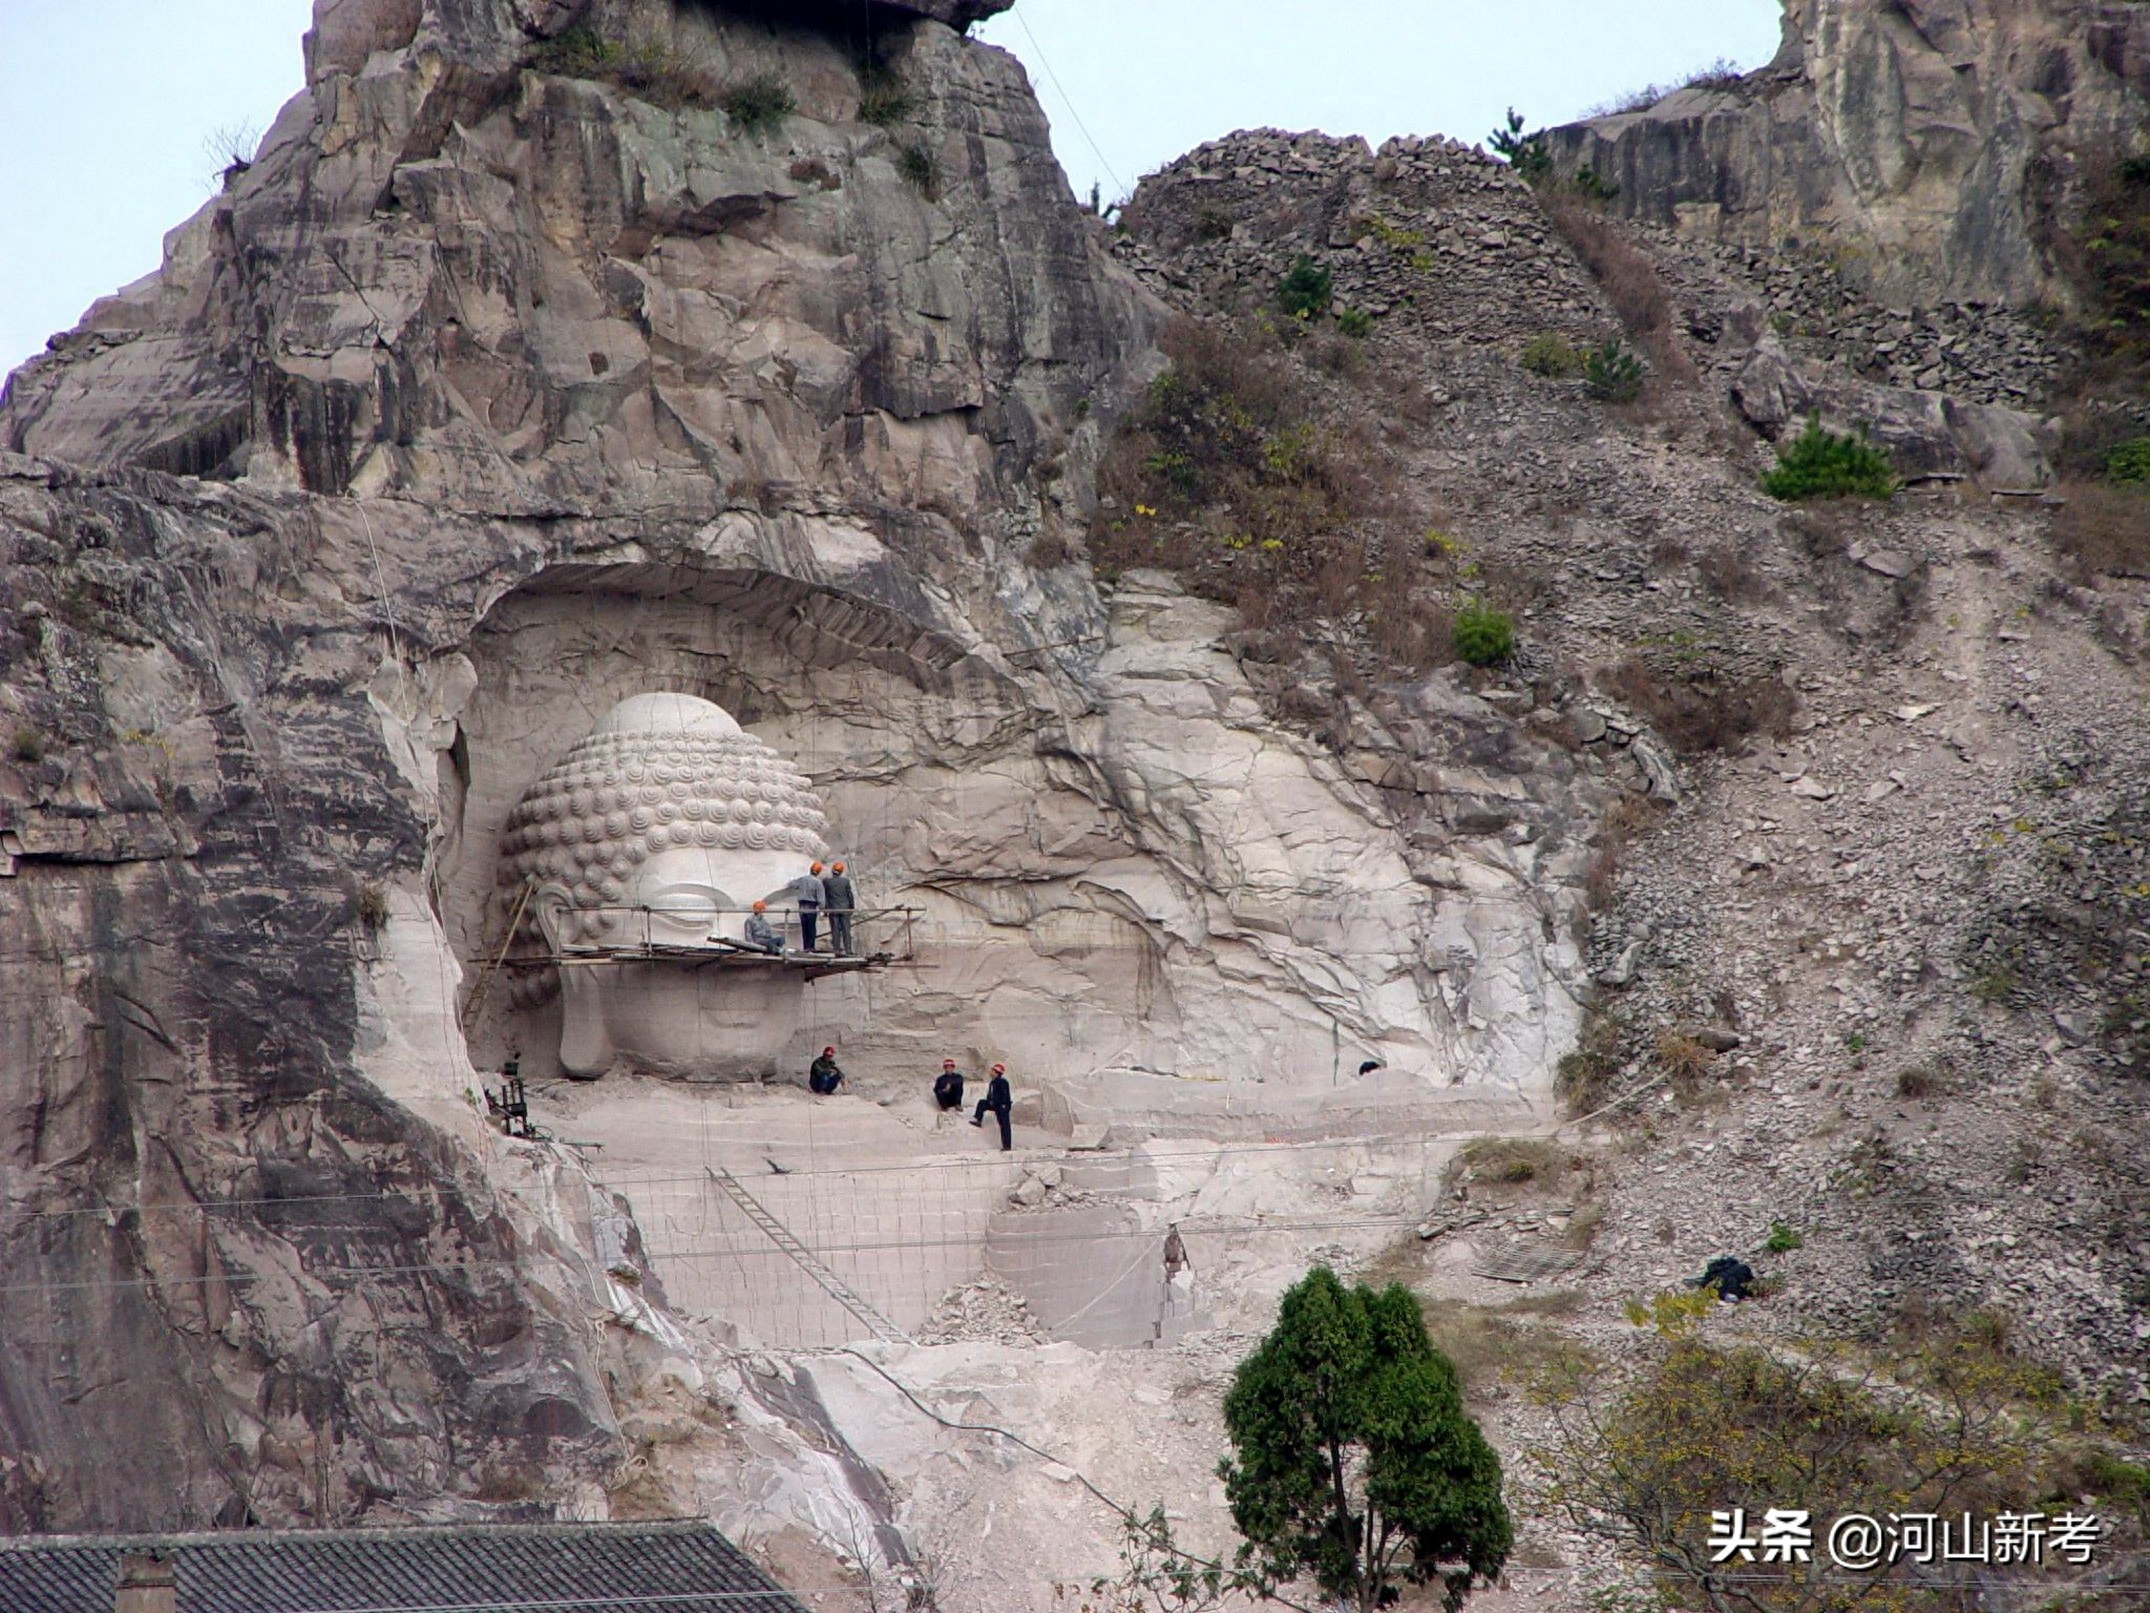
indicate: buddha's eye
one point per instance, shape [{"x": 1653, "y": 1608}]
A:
[{"x": 696, "y": 905}]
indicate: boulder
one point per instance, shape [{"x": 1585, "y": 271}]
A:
[
  {"x": 347, "y": 32},
  {"x": 1926, "y": 434}
]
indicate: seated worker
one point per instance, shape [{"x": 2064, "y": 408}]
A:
[
  {"x": 822, "y": 1075},
  {"x": 759, "y": 935},
  {"x": 948, "y": 1086}
]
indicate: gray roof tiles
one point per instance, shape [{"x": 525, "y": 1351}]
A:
[{"x": 684, "y": 1567}]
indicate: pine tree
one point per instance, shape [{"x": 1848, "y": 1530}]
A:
[{"x": 1355, "y": 1461}]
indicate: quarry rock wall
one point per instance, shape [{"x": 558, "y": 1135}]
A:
[{"x": 1936, "y": 149}]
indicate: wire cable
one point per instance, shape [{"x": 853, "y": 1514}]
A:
[{"x": 1069, "y": 101}]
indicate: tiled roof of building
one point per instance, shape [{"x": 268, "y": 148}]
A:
[{"x": 684, "y": 1567}]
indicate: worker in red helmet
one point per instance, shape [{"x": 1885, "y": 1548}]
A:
[
  {"x": 998, "y": 1100},
  {"x": 822, "y": 1075},
  {"x": 948, "y": 1086}
]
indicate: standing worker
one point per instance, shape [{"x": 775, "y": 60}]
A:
[
  {"x": 998, "y": 1100},
  {"x": 1179, "y": 1286},
  {"x": 1177, "y": 1259},
  {"x": 948, "y": 1086},
  {"x": 759, "y": 936},
  {"x": 805, "y": 893},
  {"x": 822, "y": 1075},
  {"x": 836, "y": 897}
]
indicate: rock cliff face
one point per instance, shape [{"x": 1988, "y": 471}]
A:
[
  {"x": 1936, "y": 147},
  {"x": 504, "y": 383},
  {"x": 242, "y": 1281}
]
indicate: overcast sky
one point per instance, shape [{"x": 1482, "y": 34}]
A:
[{"x": 109, "y": 109}]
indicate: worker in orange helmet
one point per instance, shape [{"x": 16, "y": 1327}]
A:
[
  {"x": 759, "y": 935},
  {"x": 838, "y": 902},
  {"x": 805, "y": 893}
]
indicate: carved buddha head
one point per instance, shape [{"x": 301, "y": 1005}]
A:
[{"x": 658, "y": 831}]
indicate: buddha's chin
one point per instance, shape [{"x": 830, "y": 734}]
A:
[{"x": 679, "y": 1023}]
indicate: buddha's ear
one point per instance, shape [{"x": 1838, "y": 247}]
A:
[
  {"x": 553, "y": 906},
  {"x": 586, "y": 1049}
]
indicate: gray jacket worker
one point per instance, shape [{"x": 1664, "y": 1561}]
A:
[
  {"x": 805, "y": 894},
  {"x": 759, "y": 935},
  {"x": 837, "y": 900}
]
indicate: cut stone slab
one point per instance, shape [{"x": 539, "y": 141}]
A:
[{"x": 1524, "y": 1260}]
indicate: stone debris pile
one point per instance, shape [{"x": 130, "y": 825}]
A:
[
  {"x": 985, "y": 1310},
  {"x": 1430, "y": 232},
  {"x": 1046, "y": 1185},
  {"x": 1980, "y": 351}
]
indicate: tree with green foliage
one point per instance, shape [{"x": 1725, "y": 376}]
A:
[
  {"x": 1525, "y": 153},
  {"x": 1355, "y": 1462},
  {"x": 1483, "y": 636},
  {"x": 1823, "y": 464},
  {"x": 1306, "y": 289}
]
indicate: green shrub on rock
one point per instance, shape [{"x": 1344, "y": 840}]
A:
[
  {"x": 760, "y": 104},
  {"x": 1355, "y": 322},
  {"x": 916, "y": 166},
  {"x": 1552, "y": 356},
  {"x": 1822, "y": 464},
  {"x": 1306, "y": 290},
  {"x": 1483, "y": 636},
  {"x": 651, "y": 70},
  {"x": 1612, "y": 374},
  {"x": 579, "y": 52},
  {"x": 882, "y": 98},
  {"x": 2129, "y": 461}
]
